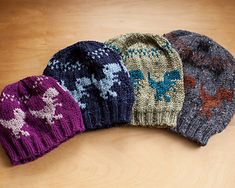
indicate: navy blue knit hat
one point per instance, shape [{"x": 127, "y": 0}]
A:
[{"x": 99, "y": 82}]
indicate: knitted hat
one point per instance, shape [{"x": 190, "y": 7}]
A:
[
  {"x": 36, "y": 115},
  {"x": 100, "y": 84},
  {"x": 156, "y": 73},
  {"x": 209, "y": 73}
]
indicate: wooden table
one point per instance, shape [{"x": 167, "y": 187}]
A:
[{"x": 32, "y": 31}]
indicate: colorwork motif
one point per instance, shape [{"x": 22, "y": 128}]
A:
[
  {"x": 162, "y": 87},
  {"x": 104, "y": 85},
  {"x": 16, "y": 124},
  {"x": 210, "y": 102},
  {"x": 136, "y": 77},
  {"x": 48, "y": 112}
]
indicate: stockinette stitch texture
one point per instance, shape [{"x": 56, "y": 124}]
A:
[
  {"x": 36, "y": 115},
  {"x": 209, "y": 74},
  {"x": 99, "y": 82},
  {"x": 156, "y": 73}
]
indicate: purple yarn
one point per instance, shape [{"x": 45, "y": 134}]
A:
[{"x": 36, "y": 115}]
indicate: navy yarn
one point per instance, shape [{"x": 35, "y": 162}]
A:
[{"x": 98, "y": 81}]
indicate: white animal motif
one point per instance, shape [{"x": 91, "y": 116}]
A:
[
  {"x": 16, "y": 124},
  {"x": 105, "y": 84},
  {"x": 48, "y": 112},
  {"x": 80, "y": 91}
]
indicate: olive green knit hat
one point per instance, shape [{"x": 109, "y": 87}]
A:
[{"x": 157, "y": 75}]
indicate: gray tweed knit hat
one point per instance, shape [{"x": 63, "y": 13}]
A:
[{"x": 209, "y": 75}]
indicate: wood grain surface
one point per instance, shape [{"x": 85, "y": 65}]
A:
[{"x": 32, "y": 31}]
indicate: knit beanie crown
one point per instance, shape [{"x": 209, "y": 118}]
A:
[
  {"x": 156, "y": 73},
  {"x": 101, "y": 85}
]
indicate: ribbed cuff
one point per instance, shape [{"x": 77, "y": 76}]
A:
[
  {"x": 154, "y": 118},
  {"x": 195, "y": 132},
  {"x": 108, "y": 114},
  {"x": 26, "y": 149}
]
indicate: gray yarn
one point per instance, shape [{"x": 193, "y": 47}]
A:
[{"x": 213, "y": 69}]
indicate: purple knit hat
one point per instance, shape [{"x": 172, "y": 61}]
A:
[{"x": 36, "y": 115}]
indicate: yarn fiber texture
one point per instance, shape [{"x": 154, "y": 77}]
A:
[
  {"x": 157, "y": 76},
  {"x": 209, "y": 74},
  {"x": 36, "y": 115},
  {"x": 101, "y": 85}
]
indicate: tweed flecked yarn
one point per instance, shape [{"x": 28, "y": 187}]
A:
[
  {"x": 36, "y": 115},
  {"x": 97, "y": 80},
  {"x": 156, "y": 73},
  {"x": 209, "y": 74}
]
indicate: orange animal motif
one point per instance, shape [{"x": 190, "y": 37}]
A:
[
  {"x": 209, "y": 102},
  {"x": 189, "y": 81}
]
